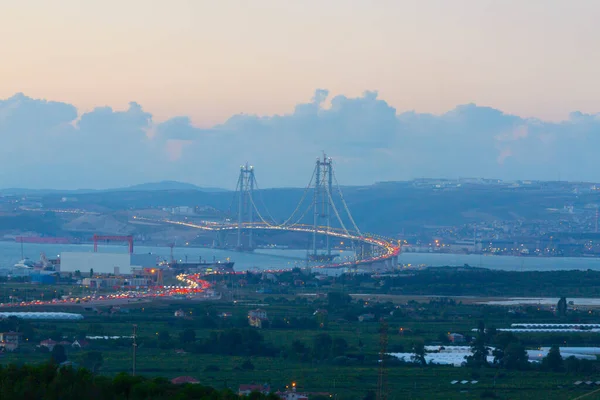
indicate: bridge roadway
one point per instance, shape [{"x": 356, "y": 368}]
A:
[{"x": 387, "y": 257}]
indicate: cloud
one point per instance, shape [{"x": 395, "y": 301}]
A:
[
  {"x": 179, "y": 128},
  {"x": 104, "y": 121},
  {"x": 21, "y": 116},
  {"x": 50, "y": 145}
]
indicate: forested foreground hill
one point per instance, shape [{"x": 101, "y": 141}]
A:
[{"x": 49, "y": 382}]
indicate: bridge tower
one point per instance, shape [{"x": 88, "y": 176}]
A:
[
  {"x": 245, "y": 186},
  {"x": 322, "y": 204}
]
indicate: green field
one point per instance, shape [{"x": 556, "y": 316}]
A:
[{"x": 351, "y": 376}]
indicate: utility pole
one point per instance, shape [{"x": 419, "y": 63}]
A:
[{"x": 134, "y": 348}]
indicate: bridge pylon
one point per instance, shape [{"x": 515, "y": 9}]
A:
[
  {"x": 245, "y": 186},
  {"x": 322, "y": 205}
]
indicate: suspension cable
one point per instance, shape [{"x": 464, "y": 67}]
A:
[
  {"x": 233, "y": 198},
  {"x": 259, "y": 214},
  {"x": 345, "y": 204},
  {"x": 306, "y": 190},
  {"x": 336, "y": 211},
  {"x": 285, "y": 223},
  {"x": 301, "y": 216},
  {"x": 262, "y": 200}
]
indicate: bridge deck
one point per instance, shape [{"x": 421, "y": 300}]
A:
[{"x": 389, "y": 249}]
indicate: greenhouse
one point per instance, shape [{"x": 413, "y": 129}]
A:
[{"x": 42, "y": 315}]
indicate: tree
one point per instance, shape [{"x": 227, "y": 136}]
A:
[
  {"x": 509, "y": 352},
  {"x": 187, "y": 336},
  {"x": 247, "y": 365},
  {"x": 561, "y": 307},
  {"x": 419, "y": 356},
  {"x": 92, "y": 360},
  {"x": 481, "y": 328},
  {"x": 322, "y": 346},
  {"x": 338, "y": 300},
  {"x": 339, "y": 347},
  {"x": 91, "y": 272},
  {"x": 553, "y": 361},
  {"x": 515, "y": 357},
  {"x": 164, "y": 336},
  {"x": 58, "y": 354},
  {"x": 370, "y": 395},
  {"x": 299, "y": 350},
  {"x": 479, "y": 350},
  {"x": 443, "y": 337}
]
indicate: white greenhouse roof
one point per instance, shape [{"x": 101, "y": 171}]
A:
[{"x": 42, "y": 315}]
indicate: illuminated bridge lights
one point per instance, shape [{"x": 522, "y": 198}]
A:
[{"x": 389, "y": 247}]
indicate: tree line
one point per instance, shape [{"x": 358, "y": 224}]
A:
[{"x": 51, "y": 382}]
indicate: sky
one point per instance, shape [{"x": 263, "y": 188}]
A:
[{"x": 97, "y": 94}]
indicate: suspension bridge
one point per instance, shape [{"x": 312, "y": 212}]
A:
[{"x": 321, "y": 203}]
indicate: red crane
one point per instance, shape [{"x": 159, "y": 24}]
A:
[{"x": 128, "y": 239}]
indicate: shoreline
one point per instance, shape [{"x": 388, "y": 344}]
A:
[{"x": 208, "y": 247}]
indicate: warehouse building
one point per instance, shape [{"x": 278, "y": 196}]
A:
[{"x": 105, "y": 263}]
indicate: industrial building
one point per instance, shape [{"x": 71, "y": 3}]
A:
[
  {"x": 105, "y": 263},
  {"x": 106, "y": 283}
]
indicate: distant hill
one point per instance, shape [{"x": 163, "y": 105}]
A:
[
  {"x": 168, "y": 185},
  {"x": 143, "y": 187}
]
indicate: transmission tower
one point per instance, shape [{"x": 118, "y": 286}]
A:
[
  {"x": 382, "y": 389},
  {"x": 322, "y": 204},
  {"x": 134, "y": 345},
  {"x": 245, "y": 186}
]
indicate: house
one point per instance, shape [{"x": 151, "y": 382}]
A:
[
  {"x": 80, "y": 344},
  {"x": 257, "y": 317},
  {"x": 48, "y": 343},
  {"x": 292, "y": 395},
  {"x": 225, "y": 315},
  {"x": 9, "y": 341},
  {"x": 366, "y": 317},
  {"x": 456, "y": 338},
  {"x": 245, "y": 390},
  {"x": 179, "y": 313},
  {"x": 180, "y": 380},
  {"x": 258, "y": 313}
]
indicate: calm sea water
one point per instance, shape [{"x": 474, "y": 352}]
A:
[{"x": 10, "y": 253}]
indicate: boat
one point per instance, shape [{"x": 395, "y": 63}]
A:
[
  {"x": 44, "y": 264},
  {"x": 25, "y": 263}
]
